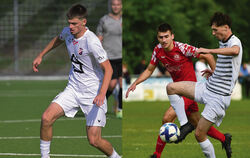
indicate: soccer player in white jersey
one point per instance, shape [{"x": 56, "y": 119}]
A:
[
  {"x": 87, "y": 85},
  {"x": 215, "y": 93}
]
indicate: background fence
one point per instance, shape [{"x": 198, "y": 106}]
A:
[{"x": 26, "y": 27}]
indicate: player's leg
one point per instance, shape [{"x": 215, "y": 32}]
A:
[
  {"x": 51, "y": 114},
  {"x": 119, "y": 113},
  {"x": 95, "y": 139},
  {"x": 175, "y": 92},
  {"x": 169, "y": 116},
  {"x": 201, "y": 136}
]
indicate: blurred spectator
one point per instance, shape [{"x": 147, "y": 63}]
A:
[
  {"x": 126, "y": 74},
  {"x": 140, "y": 67},
  {"x": 244, "y": 78}
]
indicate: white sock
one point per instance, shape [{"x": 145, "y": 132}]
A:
[
  {"x": 177, "y": 103},
  {"x": 44, "y": 148},
  {"x": 207, "y": 149},
  {"x": 114, "y": 154}
]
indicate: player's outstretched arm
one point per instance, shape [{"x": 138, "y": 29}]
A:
[
  {"x": 145, "y": 75},
  {"x": 52, "y": 44},
  {"x": 108, "y": 71},
  {"x": 233, "y": 51}
]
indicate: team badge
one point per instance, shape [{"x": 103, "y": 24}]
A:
[
  {"x": 177, "y": 57},
  {"x": 80, "y": 51}
]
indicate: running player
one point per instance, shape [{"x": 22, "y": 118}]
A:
[
  {"x": 87, "y": 83},
  {"x": 216, "y": 92},
  {"x": 176, "y": 57}
]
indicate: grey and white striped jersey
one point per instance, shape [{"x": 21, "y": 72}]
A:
[{"x": 227, "y": 69}]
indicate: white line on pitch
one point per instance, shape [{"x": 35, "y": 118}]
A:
[
  {"x": 59, "y": 137},
  {"x": 56, "y": 155},
  {"x": 38, "y": 120}
]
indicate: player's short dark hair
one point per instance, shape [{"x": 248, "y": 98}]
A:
[
  {"x": 164, "y": 27},
  {"x": 78, "y": 11},
  {"x": 220, "y": 19}
]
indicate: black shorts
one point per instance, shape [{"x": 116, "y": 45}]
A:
[{"x": 117, "y": 68}]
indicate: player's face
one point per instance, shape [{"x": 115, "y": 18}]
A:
[
  {"x": 77, "y": 26},
  {"x": 219, "y": 31},
  {"x": 116, "y": 6},
  {"x": 166, "y": 40}
]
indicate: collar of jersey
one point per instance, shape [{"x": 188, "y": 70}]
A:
[{"x": 77, "y": 39}]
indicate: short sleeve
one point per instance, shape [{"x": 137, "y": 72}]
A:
[
  {"x": 64, "y": 33},
  {"x": 154, "y": 60},
  {"x": 187, "y": 50},
  {"x": 96, "y": 48}
]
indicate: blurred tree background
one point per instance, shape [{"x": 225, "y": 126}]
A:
[{"x": 189, "y": 21}]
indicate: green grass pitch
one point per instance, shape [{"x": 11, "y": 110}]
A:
[
  {"x": 21, "y": 106},
  {"x": 142, "y": 121}
]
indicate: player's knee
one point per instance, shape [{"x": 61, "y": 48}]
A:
[
  {"x": 199, "y": 135},
  {"x": 94, "y": 141},
  {"x": 46, "y": 120},
  {"x": 167, "y": 118},
  {"x": 170, "y": 88}
]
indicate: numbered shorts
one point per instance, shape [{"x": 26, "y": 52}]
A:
[
  {"x": 190, "y": 106},
  {"x": 70, "y": 101},
  {"x": 215, "y": 105}
]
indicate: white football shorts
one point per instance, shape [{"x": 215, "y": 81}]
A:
[
  {"x": 215, "y": 105},
  {"x": 70, "y": 101}
]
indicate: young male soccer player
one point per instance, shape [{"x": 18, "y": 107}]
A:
[
  {"x": 87, "y": 83},
  {"x": 176, "y": 57},
  {"x": 215, "y": 93},
  {"x": 109, "y": 31}
]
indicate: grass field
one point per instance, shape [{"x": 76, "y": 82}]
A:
[
  {"x": 142, "y": 120},
  {"x": 21, "y": 106}
]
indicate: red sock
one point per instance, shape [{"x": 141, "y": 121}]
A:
[
  {"x": 214, "y": 133},
  {"x": 159, "y": 147}
]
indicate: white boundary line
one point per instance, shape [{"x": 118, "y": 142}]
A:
[
  {"x": 58, "y": 137},
  {"x": 56, "y": 155},
  {"x": 39, "y": 120},
  {"x": 3, "y": 78}
]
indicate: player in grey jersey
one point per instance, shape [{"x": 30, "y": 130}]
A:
[
  {"x": 88, "y": 82},
  {"x": 215, "y": 93}
]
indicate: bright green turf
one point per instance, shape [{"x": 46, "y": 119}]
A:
[
  {"x": 142, "y": 120},
  {"x": 26, "y": 100}
]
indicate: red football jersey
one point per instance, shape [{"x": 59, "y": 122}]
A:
[{"x": 178, "y": 61}]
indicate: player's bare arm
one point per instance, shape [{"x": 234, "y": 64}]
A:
[
  {"x": 108, "y": 71},
  {"x": 100, "y": 38},
  {"x": 211, "y": 62},
  {"x": 145, "y": 75},
  {"x": 52, "y": 44},
  {"x": 233, "y": 51}
]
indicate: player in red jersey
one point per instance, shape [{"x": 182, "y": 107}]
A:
[{"x": 177, "y": 58}]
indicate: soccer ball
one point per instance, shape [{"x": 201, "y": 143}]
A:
[{"x": 169, "y": 132}]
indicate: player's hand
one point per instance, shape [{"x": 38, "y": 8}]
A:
[
  {"x": 131, "y": 88},
  {"x": 37, "y": 61},
  {"x": 207, "y": 73},
  {"x": 99, "y": 99},
  {"x": 201, "y": 50}
]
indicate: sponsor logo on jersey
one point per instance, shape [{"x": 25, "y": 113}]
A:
[
  {"x": 75, "y": 42},
  {"x": 162, "y": 57},
  {"x": 177, "y": 57}
]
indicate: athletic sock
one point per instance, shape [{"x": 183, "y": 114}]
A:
[
  {"x": 207, "y": 148},
  {"x": 177, "y": 103},
  {"x": 114, "y": 154},
  {"x": 214, "y": 133},
  {"x": 159, "y": 146},
  {"x": 44, "y": 148}
]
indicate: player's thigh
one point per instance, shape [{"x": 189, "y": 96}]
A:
[
  {"x": 169, "y": 115},
  {"x": 53, "y": 112},
  {"x": 183, "y": 88}
]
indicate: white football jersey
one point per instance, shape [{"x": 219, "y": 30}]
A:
[
  {"x": 227, "y": 69},
  {"x": 86, "y": 53}
]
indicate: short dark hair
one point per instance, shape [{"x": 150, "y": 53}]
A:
[
  {"x": 78, "y": 11},
  {"x": 220, "y": 19},
  {"x": 164, "y": 27}
]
